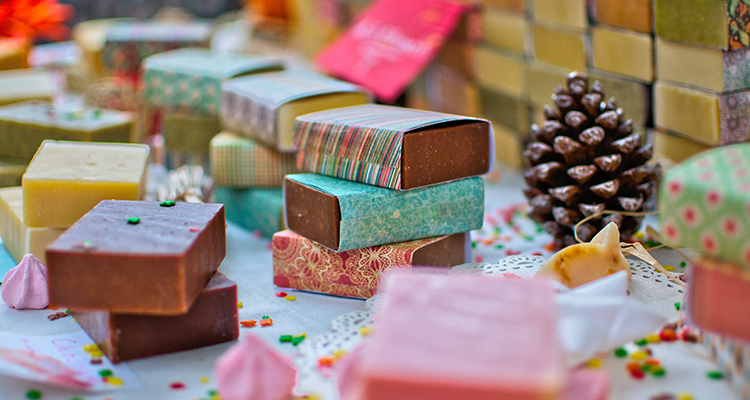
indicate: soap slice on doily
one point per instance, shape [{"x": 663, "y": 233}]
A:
[
  {"x": 253, "y": 370},
  {"x": 25, "y": 285}
]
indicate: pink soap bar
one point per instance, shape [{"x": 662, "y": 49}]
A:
[
  {"x": 718, "y": 296},
  {"x": 451, "y": 337},
  {"x": 585, "y": 384}
]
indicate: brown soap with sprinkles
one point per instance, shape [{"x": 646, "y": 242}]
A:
[
  {"x": 212, "y": 319},
  {"x": 157, "y": 266}
]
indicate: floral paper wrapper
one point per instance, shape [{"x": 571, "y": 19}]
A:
[{"x": 733, "y": 358}]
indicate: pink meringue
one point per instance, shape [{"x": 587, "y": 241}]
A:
[
  {"x": 25, "y": 285},
  {"x": 253, "y": 370}
]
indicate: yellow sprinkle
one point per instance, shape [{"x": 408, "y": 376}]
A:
[
  {"x": 595, "y": 363},
  {"x": 653, "y": 338},
  {"x": 639, "y": 355},
  {"x": 339, "y": 353},
  {"x": 366, "y": 331},
  {"x": 205, "y": 379},
  {"x": 215, "y": 397},
  {"x": 96, "y": 354},
  {"x": 639, "y": 235},
  {"x": 685, "y": 396},
  {"x": 239, "y": 304},
  {"x": 290, "y": 297},
  {"x": 669, "y": 267},
  {"x": 113, "y": 380},
  {"x": 91, "y": 347}
]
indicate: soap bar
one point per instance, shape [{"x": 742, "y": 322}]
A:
[
  {"x": 67, "y": 179},
  {"x": 23, "y": 126},
  {"x": 506, "y": 110},
  {"x": 717, "y": 297},
  {"x": 622, "y": 52},
  {"x": 510, "y": 5},
  {"x": 137, "y": 257},
  {"x": 264, "y": 106},
  {"x": 714, "y": 23},
  {"x": 240, "y": 162},
  {"x": 417, "y": 354},
  {"x": 502, "y": 71},
  {"x": 634, "y": 15},
  {"x": 693, "y": 113},
  {"x": 505, "y": 30},
  {"x": 11, "y": 172},
  {"x": 675, "y": 147},
  {"x": 448, "y": 90},
  {"x": 90, "y": 36},
  {"x": 392, "y": 147},
  {"x": 191, "y": 78},
  {"x": 543, "y": 80},
  {"x": 703, "y": 67},
  {"x": 186, "y": 132},
  {"x": 17, "y": 237},
  {"x": 25, "y": 84},
  {"x": 509, "y": 147},
  {"x": 633, "y": 96},
  {"x": 732, "y": 356},
  {"x": 128, "y": 42},
  {"x": 14, "y": 53},
  {"x": 299, "y": 263},
  {"x": 703, "y": 204},
  {"x": 566, "y": 12},
  {"x": 260, "y": 209},
  {"x": 344, "y": 215},
  {"x": 212, "y": 319},
  {"x": 562, "y": 47}
]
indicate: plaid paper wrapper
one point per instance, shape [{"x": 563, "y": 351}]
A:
[
  {"x": 249, "y": 104},
  {"x": 372, "y": 216},
  {"x": 128, "y": 43},
  {"x": 191, "y": 78},
  {"x": 733, "y": 358},
  {"x": 300, "y": 263},
  {"x": 704, "y": 203},
  {"x": 361, "y": 143},
  {"x": 258, "y": 209},
  {"x": 241, "y": 162}
]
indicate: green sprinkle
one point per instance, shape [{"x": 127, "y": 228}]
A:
[
  {"x": 715, "y": 374},
  {"x": 683, "y": 264},
  {"x": 97, "y": 113},
  {"x": 285, "y": 338},
  {"x": 34, "y": 394},
  {"x": 499, "y": 246},
  {"x": 641, "y": 342},
  {"x": 265, "y": 317},
  {"x": 134, "y": 220},
  {"x": 297, "y": 340},
  {"x": 212, "y": 392},
  {"x": 105, "y": 372},
  {"x": 76, "y": 398},
  {"x": 473, "y": 245},
  {"x": 621, "y": 352},
  {"x": 677, "y": 306},
  {"x": 168, "y": 203},
  {"x": 658, "y": 372}
]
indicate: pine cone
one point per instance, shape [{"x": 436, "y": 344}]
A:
[{"x": 584, "y": 159}]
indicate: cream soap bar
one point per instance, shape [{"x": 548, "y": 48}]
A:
[
  {"x": 691, "y": 112},
  {"x": 25, "y": 84},
  {"x": 633, "y": 96},
  {"x": 23, "y": 126},
  {"x": 506, "y": 30},
  {"x": 543, "y": 80},
  {"x": 622, "y": 52},
  {"x": 675, "y": 147},
  {"x": 190, "y": 133},
  {"x": 565, "y": 12},
  {"x": 506, "y": 110},
  {"x": 18, "y": 238},
  {"x": 67, "y": 179},
  {"x": 11, "y": 172},
  {"x": 713, "y": 23},
  {"x": 703, "y": 67},
  {"x": 634, "y": 15},
  {"x": 561, "y": 47},
  {"x": 502, "y": 71},
  {"x": 508, "y": 147}
]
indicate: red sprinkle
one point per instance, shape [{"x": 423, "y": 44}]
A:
[
  {"x": 248, "y": 323},
  {"x": 668, "y": 335},
  {"x": 96, "y": 361},
  {"x": 637, "y": 374},
  {"x": 194, "y": 229},
  {"x": 325, "y": 362},
  {"x": 510, "y": 252},
  {"x": 177, "y": 385},
  {"x": 633, "y": 366},
  {"x": 281, "y": 294}
]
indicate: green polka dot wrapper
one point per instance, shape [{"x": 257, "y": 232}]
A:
[{"x": 704, "y": 203}]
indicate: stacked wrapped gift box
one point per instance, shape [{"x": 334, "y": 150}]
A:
[
  {"x": 390, "y": 188},
  {"x": 253, "y": 153},
  {"x": 704, "y": 204}
]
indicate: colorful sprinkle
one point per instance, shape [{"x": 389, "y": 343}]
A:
[
  {"x": 281, "y": 294},
  {"x": 669, "y": 268},
  {"x": 339, "y": 353},
  {"x": 285, "y": 338},
  {"x": 633, "y": 366},
  {"x": 248, "y": 323},
  {"x": 677, "y": 306},
  {"x": 97, "y": 113},
  {"x": 90, "y": 347},
  {"x": 194, "y": 229},
  {"x": 298, "y": 339},
  {"x": 96, "y": 361},
  {"x": 715, "y": 374},
  {"x": 239, "y": 304},
  {"x": 366, "y": 331},
  {"x": 176, "y": 385},
  {"x": 658, "y": 371},
  {"x": 290, "y": 298},
  {"x": 641, "y": 342},
  {"x": 595, "y": 363},
  {"x": 325, "y": 362},
  {"x": 134, "y": 220},
  {"x": 114, "y": 381},
  {"x": 683, "y": 264},
  {"x": 105, "y": 372},
  {"x": 266, "y": 322},
  {"x": 653, "y": 338},
  {"x": 85, "y": 245},
  {"x": 685, "y": 396},
  {"x": 168, "y": 203},
  {"x": 97, "y": 353},
  {"x": 205, "y": 379},
  {"x": 33, "y": 394},
  {"x": 621, "y": 352}
]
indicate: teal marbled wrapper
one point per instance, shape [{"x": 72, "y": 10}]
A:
[
  {"x": 253, "y": 209},
  {"x": 372, "y": 216}
]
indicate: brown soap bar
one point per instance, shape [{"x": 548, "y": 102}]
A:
[
  {"x": 137, "y": 257},
  {"x": 212, "y": 319}
]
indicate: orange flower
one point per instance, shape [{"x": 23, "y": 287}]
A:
[{"x": 34, "y": 19}]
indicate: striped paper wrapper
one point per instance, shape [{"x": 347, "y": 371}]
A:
[
  {"x": 260, "y": 209},
  {"x": 362, "y": 143},
  {"x": 241, "y": 162},
  {"x": 733, "y": 358}
]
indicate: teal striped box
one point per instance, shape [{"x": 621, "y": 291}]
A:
[{"x": 259, "y": 209}]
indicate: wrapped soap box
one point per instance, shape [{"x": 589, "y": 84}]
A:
[
  {"x": 191, "y": 78},
  {"x": 344, "y": 215},
  {"x": 703, "y": 204},
  {"x": 259, "y": 209},
  {"x": 264, "y": 106},
  {"x": 732, "y": 357},
  {"x": 300, "y": 263},
  {"x": 393, "y": 147},
  {"x": 241, "y": 162}
]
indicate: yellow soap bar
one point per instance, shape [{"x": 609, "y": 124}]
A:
[
  {"x": 633, "y": 96},
  {"x": 698, "y": 66},
  {"x": 502, "y": 71},
  {"x": 562, "y": 47},
  {"x": 450, "y": 91},
  {"x": 65, "y": 180},
  {"x": 25, "y": 84},
  {"x": 675, "y": 147},
  {"x": 90, "y": 36},
  {"x": 543, "y": 80},
  {"x": 506, "y": 30},
  {"x": 14, "y": 53},
  {"x": 566, "y": 12},
  {"x": 11, "y": 171},
  {"x": 508, "y": 146},
  {"x": 634, "y": 15},
  {"x": 691, "y": 112},
  {"x": 623, "y": 52},
  {"x": 18, "y": 238},
  {"x": 509, "y": 5}
]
